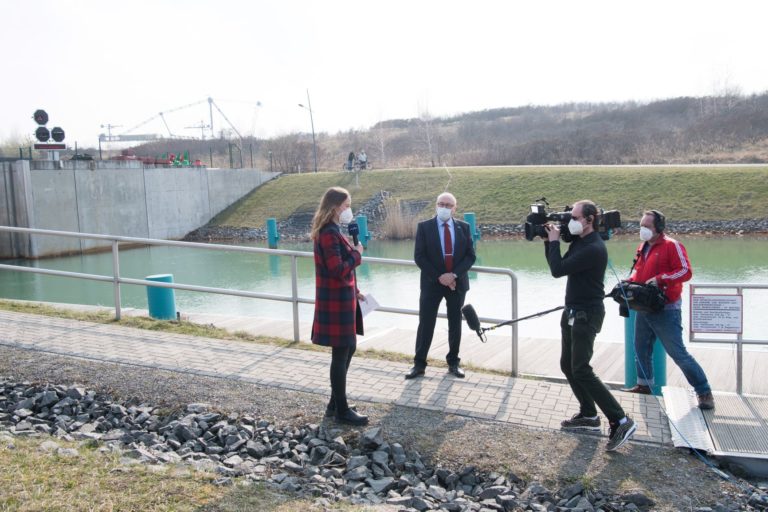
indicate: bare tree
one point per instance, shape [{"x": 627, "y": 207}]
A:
[{"x": 426, "y": 131}]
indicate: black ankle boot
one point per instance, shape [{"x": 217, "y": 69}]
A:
[
  {"x": 351, "y": 417},
  {"x": 330, "y": 409}
]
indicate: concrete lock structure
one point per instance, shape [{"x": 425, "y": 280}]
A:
[{"x": 122, "y": 198}]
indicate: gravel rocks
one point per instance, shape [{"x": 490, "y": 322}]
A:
[
  {"x": 296, "y": 230},
  {"x": 310, "y": 460}
]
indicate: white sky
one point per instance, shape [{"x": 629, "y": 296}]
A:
[{"x": 90, "y": 63}]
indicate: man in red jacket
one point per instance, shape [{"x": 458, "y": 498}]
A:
[{"x": 663, "y": 261}]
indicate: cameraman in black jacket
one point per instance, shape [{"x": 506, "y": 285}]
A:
[{"x": 584, "y": 263}]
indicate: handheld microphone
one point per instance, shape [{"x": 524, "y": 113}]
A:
[
  {"x": 353, "y": 229},
  {"x": 470, "y": 315}
]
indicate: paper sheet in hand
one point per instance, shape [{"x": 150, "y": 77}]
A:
[{"x": 368, "y": 305}]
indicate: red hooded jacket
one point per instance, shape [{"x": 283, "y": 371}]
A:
[{"x": 667, "y": 261}]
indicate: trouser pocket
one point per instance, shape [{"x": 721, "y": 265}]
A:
[{"x": 587, "y": 318}]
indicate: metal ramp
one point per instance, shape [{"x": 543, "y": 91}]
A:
[{"x": 736, "y": 430}]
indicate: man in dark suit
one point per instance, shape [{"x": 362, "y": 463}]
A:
[{"x": 444, "y": 253}]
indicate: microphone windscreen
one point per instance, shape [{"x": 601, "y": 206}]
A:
[
  {"x": 353, "y": 229},
  {"x": 471, "y": 317}
]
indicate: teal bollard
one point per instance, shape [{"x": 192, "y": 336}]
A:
[
  {"x": 272, "y": 235},
  {"x": 630, "y": 368},
  {"x": 162, "y": 301},
  {"x": 365, "y": 235},
  {"x": 470, "y": 219}
]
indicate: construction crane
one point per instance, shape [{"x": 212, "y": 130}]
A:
[
  {"x": 129, "y": 135},
  {"x": 202, "y": 126}
]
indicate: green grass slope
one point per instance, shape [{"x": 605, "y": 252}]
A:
[{"x": 502, "y": 194}]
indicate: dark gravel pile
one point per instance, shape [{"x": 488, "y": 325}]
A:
[
  {"x": 310, "y": 460},
  {"x": 296, "y": 231}
]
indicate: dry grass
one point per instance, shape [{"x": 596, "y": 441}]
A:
[
  {"x": 398, "y": 225},
  {"x": 35, "y": 480},
  {"x": 32, "y": 479}
]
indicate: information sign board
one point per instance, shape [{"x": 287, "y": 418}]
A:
[{"x": 716, "y": 313}]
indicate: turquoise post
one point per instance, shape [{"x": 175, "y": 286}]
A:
[
  {"x": 272, "y": 235},
  {"x": 365, "y": 235},
  {"x": 630, "y": 367},
  {"x": 161, "y": 301},
  {"x": 470, "y": 219}
]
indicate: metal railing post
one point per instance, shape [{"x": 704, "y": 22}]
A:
[
  {"x": 739, "y": 354},
  {"x": 116, "y": 277},
  {"x": 513, "y": 291},
  {"x": 295, "y": 296}
]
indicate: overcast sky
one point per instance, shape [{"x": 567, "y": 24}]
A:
[{"x": 93, "y": 63}]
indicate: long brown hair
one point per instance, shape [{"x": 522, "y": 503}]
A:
[{"x": 333, "y": 198}]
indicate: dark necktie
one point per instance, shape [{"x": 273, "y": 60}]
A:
[{"x": 448, "y": 247}]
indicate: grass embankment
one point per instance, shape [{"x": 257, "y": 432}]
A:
[{"x": 501, "y": 195}]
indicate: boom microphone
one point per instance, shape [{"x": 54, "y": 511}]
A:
[
  {"x": 353, "y": 229},
  {"x": 473, "y": 321},
  {"x": 470, "y": 315}
]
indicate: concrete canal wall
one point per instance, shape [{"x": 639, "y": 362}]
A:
[{"x": 110, "y": 197}]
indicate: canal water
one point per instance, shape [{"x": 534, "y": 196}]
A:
[{"x": 714, "y": 260}]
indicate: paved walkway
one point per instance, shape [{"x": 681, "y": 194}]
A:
[{"x": 531, "y": 403}]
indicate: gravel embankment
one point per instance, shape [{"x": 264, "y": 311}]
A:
[
  {"x": 547, "y": 465},
  {"x": 291, "y": 230}
]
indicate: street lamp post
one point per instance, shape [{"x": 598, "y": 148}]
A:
[{"x": 312, "y": 121}]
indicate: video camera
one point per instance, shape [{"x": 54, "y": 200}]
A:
[{"x": 540, "y": 215}]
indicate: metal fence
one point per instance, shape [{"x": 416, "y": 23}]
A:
[
  {"x": 117, "y": 280},
  {"x": 739, "y": 341}
]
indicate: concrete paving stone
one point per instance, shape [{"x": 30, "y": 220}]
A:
[{"x": 533, "y": 411}]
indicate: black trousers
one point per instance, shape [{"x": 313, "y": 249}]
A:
[
  {"x": 578, "y": 342},
  {"x": 429, "y": 303},
  {"x": 340, "y": 359}
]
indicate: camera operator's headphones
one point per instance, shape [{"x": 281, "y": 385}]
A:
[{"x": 659, "y": 221}]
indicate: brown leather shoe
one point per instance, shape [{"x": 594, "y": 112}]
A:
[
  {"x": 639, "y": 389},
  {"x": 706, "y": 401}
]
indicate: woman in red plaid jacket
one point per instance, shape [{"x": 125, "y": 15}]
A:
[{"x": 338, "y": 320}]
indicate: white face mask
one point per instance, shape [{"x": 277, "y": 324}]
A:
[
  {"x": 443, "y": 214},
  {"x": 645, "y": 233},
  {"x": 346, "y": 216},
  {"x": 575, "y": 227}
]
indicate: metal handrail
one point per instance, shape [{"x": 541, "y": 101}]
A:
[
  {"x": 739, "y": 341},
  {"x": 294, "y": 298}
]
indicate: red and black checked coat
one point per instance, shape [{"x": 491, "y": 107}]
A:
[{"x": 337, "y": 317}]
